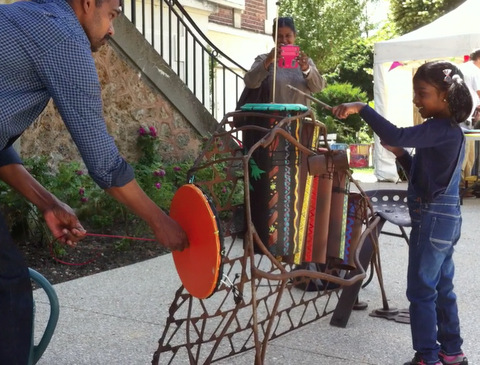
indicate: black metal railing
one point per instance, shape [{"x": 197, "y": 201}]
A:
[{"x": 214, "y": 78}]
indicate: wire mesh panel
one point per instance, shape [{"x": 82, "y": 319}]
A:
[{"x": 262, "y": 295}]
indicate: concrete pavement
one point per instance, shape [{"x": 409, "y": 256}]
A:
[{"x": 117, "y": 317}]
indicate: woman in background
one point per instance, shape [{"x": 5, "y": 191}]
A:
[{"x": 305, "y": 77}]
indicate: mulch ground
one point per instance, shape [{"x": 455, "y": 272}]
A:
[{"x": 91, "y": 256}]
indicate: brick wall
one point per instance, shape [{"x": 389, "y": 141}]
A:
[
  {"x": 223, "y": 16},
  {"x": 253, "y": 17}
]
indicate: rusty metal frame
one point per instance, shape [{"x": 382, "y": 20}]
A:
[{"x": 257, "y": 300}]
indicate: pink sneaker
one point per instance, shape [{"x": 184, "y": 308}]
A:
[
  {"x": 417, "y": 360},
  {"x": 453, "y": 359}
]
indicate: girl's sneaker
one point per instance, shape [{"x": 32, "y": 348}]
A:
[
  {"x": 417, "y": 360},
  {"x": 453, "y": 359}
]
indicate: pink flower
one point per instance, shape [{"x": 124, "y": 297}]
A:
[
  {"x": 160, "y": 173},
  {"x": 224, "y": 189},
  {"x": 177, "y": 168},
  {"x": 153, "y": 131},
  {"x": 81, "y": 191},
  {"x": 79, "y": 172},
  {"x": 142, "y": 131},
  {"x": 84, "y": 199},
  {"x": 158, "y": 185}
]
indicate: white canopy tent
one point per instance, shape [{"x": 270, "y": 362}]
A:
[{"x": 450, "y": 37}]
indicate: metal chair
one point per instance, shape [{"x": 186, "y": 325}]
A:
[
  {"x": 36, "y": 351},
  {"x": 390, "y": 206}
]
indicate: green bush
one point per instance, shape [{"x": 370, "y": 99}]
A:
[
  {"x": 352, "y": 129},
  {"x": 96, "y": 209},
  {"x": 23, "y": 218}
]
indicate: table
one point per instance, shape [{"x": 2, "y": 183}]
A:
[{"x": 473, "y": 135}]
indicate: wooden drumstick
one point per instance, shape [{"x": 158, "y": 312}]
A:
[{"x": 321, "y": 103}]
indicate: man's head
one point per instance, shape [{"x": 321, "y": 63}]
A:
[
  {"x": 96, "y": 18},
  {"x": 475, "y": 55}
]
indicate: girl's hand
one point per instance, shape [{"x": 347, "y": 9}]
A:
[
  {"x": 397, "y": 151},
  {"x": 342, "y": 111}
]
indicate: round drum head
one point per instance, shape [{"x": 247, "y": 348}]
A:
[{"x": 198, "y": 265}]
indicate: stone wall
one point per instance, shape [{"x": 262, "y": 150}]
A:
[{"x": 129, "y": 103}]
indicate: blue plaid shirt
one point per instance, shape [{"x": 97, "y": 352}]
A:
[{"x": 45, "y": 53}]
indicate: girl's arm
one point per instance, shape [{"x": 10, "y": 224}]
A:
[
  {"x": 342, "y": 111},
  {"x": 403, "y": 157}
]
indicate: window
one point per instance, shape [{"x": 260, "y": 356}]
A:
[{"x": 235, "y": 4}]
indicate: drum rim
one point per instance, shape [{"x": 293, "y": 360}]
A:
[{"x": 219, "y": 242}]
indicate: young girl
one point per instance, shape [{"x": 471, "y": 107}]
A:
[{"x": 443, "y": 99}]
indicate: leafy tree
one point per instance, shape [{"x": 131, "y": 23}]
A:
[
  {"x": 346, "y": 129},
  {"x": 325, "y": 26},
  {"x": 409, "y": 15},
  {"x": 356, "y": 66}
]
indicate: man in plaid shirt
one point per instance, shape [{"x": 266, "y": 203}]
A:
[{"x": 45, "y": 54}]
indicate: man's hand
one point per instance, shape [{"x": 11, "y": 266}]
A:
[
  {"x": 166, "y": 230},
  {"x": 170, "y": 234},
  {"x": 64, "y": 224}
]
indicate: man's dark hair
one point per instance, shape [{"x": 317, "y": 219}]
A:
[
  {"x": 475, "y": 55},
  {"x": 99, "y": 3}
]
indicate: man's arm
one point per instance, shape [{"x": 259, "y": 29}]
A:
[
  {"x": 166, "y": 230},
  {"x": 59, "y": 217},
  {"x": 77, "y": 95}
]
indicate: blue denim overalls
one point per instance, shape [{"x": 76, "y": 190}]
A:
[{"x": 435, "y": 231}]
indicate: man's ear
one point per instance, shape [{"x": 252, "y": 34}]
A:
[{"x": 87, "y": 5}]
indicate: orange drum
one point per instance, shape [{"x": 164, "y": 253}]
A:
[{"x": 200, "y": 265}]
